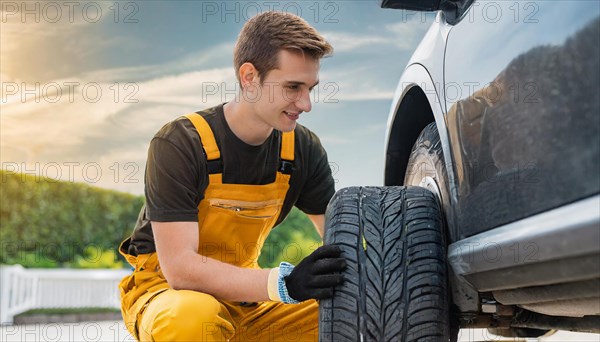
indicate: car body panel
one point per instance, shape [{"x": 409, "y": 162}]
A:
[
  {"x": 430, "y": 54},
  {"x": 523, "y": 114},
  {"x": 559, "y": 246},
  {"x": 535, "y": 176}
]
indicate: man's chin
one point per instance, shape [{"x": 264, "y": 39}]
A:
[{"x": 288, "y": 127}]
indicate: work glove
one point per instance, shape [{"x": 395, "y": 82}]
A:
[{"x": 316, "y": 275}]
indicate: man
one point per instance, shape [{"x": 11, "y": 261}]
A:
[{"x": 217, "y": 181}]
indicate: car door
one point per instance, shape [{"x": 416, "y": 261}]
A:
[{"x": 521, "y": 84}]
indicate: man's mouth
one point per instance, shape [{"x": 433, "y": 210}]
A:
[{"x": 292, "y": 115}]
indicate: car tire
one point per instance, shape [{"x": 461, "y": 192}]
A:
[
  {"x": 395, "y": 285},
  {"x": 426, "y": 166}
]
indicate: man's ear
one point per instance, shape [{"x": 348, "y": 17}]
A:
[{"x": 248, "y": 74}]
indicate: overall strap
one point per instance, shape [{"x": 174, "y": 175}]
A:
[
  {"x": 206, "y": 135},
  {"x": 287, "y": 153},
  {"x": 209, "y": 144}
]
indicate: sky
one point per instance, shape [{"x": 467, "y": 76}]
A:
[{"x": 86, "y": 85}]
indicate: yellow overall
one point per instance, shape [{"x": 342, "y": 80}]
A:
[{"x": 233, "y": 221}]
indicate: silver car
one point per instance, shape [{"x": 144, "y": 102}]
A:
[{"x": 490, "y": 213}]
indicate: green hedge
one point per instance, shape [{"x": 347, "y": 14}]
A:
[
  {"x": 49, "y": 223},
  {"x": 52, "y": 221}
]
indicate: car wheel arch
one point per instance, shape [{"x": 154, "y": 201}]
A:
[
  {"x": 404, "y": 130},
  {"x": 416, "y": 104}
]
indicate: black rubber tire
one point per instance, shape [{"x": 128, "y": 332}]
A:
[
  {"x": 427, "y": 160},
  {"x": 396, "y": 285}
]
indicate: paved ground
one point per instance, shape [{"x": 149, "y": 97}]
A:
[{"x": 115, "y": 331}]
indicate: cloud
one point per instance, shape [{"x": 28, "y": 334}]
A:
[
  {"x": 400, "y": 36},
  {"x": 345, "y": 42},
  {"x": 354, "y": 81},
  {"x": 361, "y": 69},
  {"x": 219, "y": 55},
  {"x": 406, "y": 34},
  {"x": 78, "y": 125},
  {"x": 107, "y": 115}
]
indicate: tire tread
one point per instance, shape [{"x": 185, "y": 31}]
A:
[{"x": 398, "y": 282}]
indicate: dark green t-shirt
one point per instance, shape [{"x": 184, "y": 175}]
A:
[{"x": 176, "y": 173}]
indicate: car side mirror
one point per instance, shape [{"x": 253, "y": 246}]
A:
[
  {"x": 454, "y": 10},
  {"x": 413, "y": 5}
]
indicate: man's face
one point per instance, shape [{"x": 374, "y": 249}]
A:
[{"x": 285, "y": 92}]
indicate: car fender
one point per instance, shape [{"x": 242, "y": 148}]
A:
[{"x": 416, "y": 75}]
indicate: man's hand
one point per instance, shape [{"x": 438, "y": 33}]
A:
[{"x": 317, "y": 274}]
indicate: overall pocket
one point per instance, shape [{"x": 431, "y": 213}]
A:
[{"x": 234, "y": 231}]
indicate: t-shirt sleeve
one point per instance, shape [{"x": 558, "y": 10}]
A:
[
  {"x": 173, "y": 180},
  {"x": 319, "y": 186}
]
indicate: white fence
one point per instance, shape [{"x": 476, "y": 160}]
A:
[{"x": 25, "y": 289}]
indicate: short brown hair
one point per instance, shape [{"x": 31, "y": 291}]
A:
[{"x": 265, "y": 34}]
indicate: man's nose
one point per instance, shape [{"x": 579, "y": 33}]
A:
[{"x": 303, "y": 103}]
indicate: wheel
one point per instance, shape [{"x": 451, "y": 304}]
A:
[
  {"x": 426, "y": 167},
  {"x": 395, "y": 286}
]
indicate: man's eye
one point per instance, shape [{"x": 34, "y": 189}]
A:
[{"x": 293, "y": 87}]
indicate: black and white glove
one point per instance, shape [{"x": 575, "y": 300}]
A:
[{"x": 313, "y": 278}]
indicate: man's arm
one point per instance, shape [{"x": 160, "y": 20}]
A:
[
  {"x": 185, "y": 269},
  {"x": 319, "y": 222}
]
